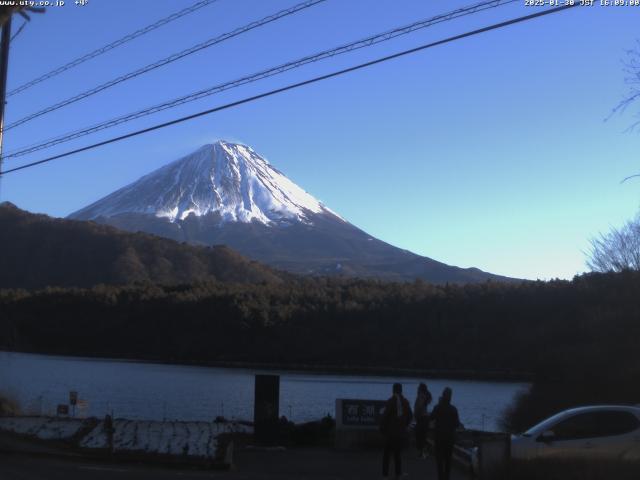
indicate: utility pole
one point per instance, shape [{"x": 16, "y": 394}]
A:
[{"x": 4, "y": 66}]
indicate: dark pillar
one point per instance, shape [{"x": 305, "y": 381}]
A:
[
  {"x": 266, "y": 408},
  {"x": 5, "y": 40}
]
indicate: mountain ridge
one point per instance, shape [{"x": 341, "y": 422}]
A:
[
  {"x": 225, "y": 193},
  {"x": 41, "y": 251}
]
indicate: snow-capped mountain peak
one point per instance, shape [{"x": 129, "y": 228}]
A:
[
  {"x": 229, "y": 179},
  {"x": 227, "y": 194}
]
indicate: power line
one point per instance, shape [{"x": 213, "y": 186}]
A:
[
  {"x": 167, "y": 60},
  {"x": 366, "y": 42},
  {"x": 13, "y": 37},
  {"x": 297, "y": 85},
  {"x": 117, "y": 43}
]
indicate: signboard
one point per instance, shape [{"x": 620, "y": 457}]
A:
[
  {"x": 360, "y": 413},
  {"x": 83, "y": 407},
  {"x": 73, "y": 397}
]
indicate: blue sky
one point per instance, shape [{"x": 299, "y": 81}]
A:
[{"x": 489, "y": 152}]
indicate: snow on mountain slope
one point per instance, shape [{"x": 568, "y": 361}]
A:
[
  {"x": 227, "y": 194},
  {"x": 226, "y": 178}
]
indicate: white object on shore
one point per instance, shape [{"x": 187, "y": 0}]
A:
[
  {"x": 43, "y": 428},
  {"x": 192, "y": 439}
]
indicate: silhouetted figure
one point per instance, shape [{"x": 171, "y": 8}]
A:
[
  {"x": 421, "y": 413},
  {"x": 395, "y": 420},
  {"x": 446, "y": 422}
]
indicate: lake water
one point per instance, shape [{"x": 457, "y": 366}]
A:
[{"x": 150, "y": 391}]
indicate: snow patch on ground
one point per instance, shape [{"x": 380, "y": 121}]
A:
[
  {"x": 197, "y": 439},
  {"x": 43, "y": 428},
  {"x": 193, "y": 439},
  {"x": 96, "y": 438}
]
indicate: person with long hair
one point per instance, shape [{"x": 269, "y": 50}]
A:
[{"x": 421, "y": 414}]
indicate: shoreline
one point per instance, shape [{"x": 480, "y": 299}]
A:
[{"x": 351, "y": 370}]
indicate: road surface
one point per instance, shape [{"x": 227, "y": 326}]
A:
[{"x": 298, "y": 464}]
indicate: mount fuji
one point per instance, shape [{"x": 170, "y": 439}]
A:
[{"x": 225, "y": 193}]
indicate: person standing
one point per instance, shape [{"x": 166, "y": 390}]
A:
[
  {"x": 446, "y": 422},
  {"x": 421, "y": 414},
  {"x": 395, "y": 420}
]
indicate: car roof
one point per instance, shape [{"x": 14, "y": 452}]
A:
[
  {"x": 595, "y": 408},
  {"x": 543, "y": 425}
]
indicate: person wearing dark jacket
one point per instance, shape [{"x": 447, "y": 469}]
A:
[
  {"x": 395, "y": 420},
  {"x": 446, "y": 422},
  {"x": 421, "y": 414}
]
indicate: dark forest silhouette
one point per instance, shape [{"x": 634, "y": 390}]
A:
[
  {"x": 156, "y": 299},
  {"x": 581, "y": 336},
  {"x": 41, "y": 251}
]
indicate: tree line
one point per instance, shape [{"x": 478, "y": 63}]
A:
[
  {"x": 39, "y": 251},
  {"x": 583, "y": 332}
]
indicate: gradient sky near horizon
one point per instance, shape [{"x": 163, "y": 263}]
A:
[{"x": 491, "y": 151}]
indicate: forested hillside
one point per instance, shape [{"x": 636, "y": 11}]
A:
[
  {"x": 40, "y": 251},
  {"x": 178, "y": 303},
  {"x": 581, "y": 335}
]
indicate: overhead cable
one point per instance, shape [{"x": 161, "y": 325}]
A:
[
  {"x": 110, "y": 46},
  {"x": 166, "y": 61},
  {"x": 325, "y": 54},
  {"x": 295, "y": 86}
]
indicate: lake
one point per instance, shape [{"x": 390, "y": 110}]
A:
[{"x": 152, "y": 391}]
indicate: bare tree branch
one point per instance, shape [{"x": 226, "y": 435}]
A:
[
  {"x": 617, "y": 250},
  {"x": 630, "y": 177},
  {"x": 631, "y": 67}
]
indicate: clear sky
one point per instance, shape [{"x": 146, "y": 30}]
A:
[{"x": 490, "y": 152}]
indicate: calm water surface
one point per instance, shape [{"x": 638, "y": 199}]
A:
[{"x": 149, "y": 391}]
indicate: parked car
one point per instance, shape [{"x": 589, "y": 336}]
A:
[{"x": 594, "y": 432}]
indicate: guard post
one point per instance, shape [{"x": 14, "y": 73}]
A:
[{"x": 266, "y": 408}]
